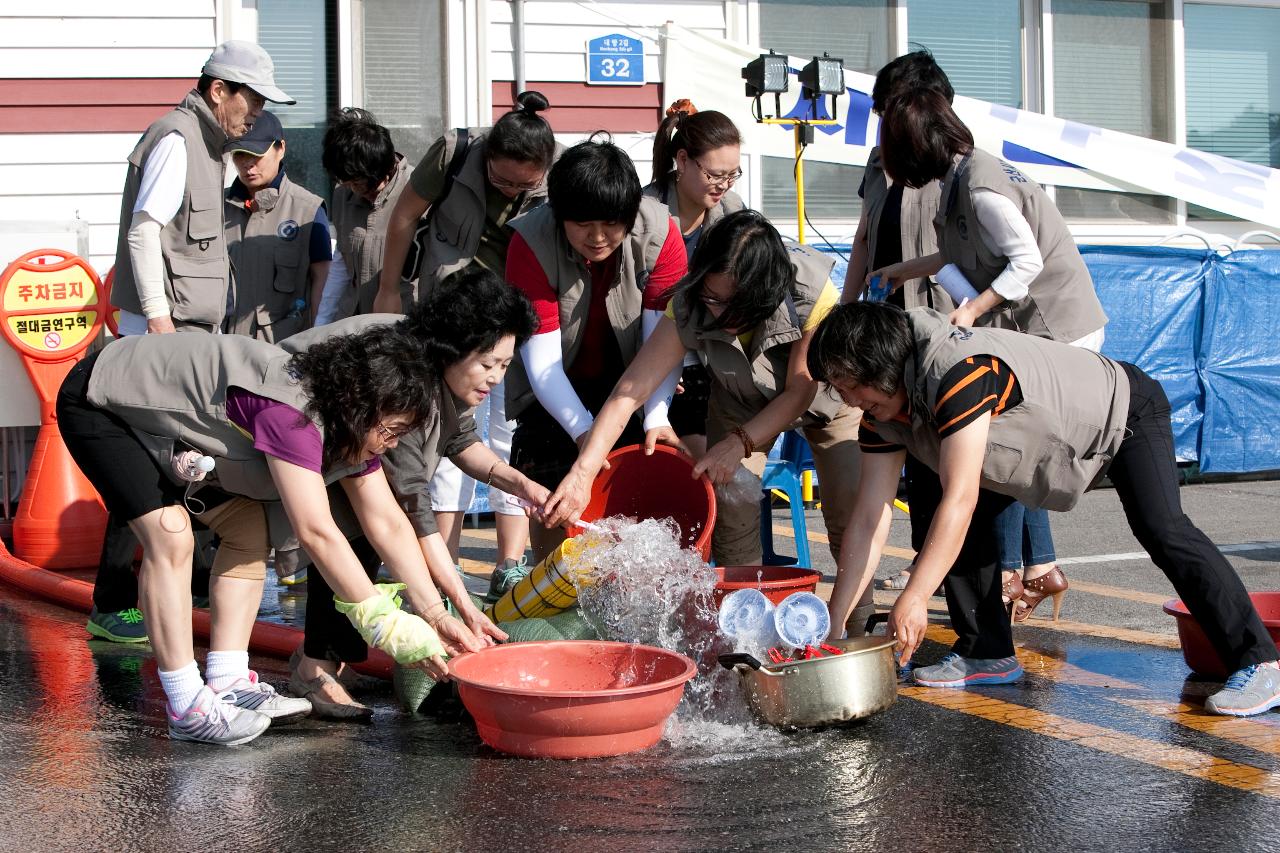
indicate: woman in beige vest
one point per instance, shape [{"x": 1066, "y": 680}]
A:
[
  {"x": 143, "y": 419},
  {"x": 1008, "y": 259},
  {"x": 467, "y": 204},
  {"x": 697, "y": 158},
  {"x": 747, "y": 309}
]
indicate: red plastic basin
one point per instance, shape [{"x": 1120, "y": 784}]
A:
[
  {"x": 571, "y": 698},
  {"x": 657, "y": 486},
  {"x": 1197, "y": 651},
  {"x": 776, "y": 582}
]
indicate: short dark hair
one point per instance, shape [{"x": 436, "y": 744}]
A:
[
  {"x": 919, "y": 135},
  {"x": 523, "y": 135},
  {"x": 357, "y": 148},
  {"x": 205, "y": 83},
  {"x": 470, "y": 311},
  {"x": 745, "y": 246},
  {"x": 688, "y": 129},
  {"x": 908, "y": 73},
  {"x": 594, "y": 181},
  {"x": 353, "y": 381},
  {"x": 862, "y": 343}
]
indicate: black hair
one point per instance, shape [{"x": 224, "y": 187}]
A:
[
  {"x": 357, "y": 148},
  {"x": 687, "y": 129},
  {"x": 470, "y": 311},
  {"x": 594, "y": 181},
  {"x": 523, "y": 135},
  {"x": 205, "y": 83},
  {"x": 745, "y": 246},
  {"x": 910, "y": 72},
  {"x": 353, "y": 381},
  {"x": 862, "y": 343},
  {"x": 919, "y": 136}
]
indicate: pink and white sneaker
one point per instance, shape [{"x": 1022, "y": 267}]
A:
[
  {"x": 250, "y": 694},
  {"x": 212, "y": 719}
]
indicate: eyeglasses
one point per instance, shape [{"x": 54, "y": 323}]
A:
[
  {"x": 715, "y": 180},
  {"x": 389, "y": 434},
  {"x": 713, "y": 301},
  {"x": 501, "y": 184}
]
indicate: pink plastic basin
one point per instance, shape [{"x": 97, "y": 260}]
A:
[
  {"x": 571, "y": 698},
  {"x": 776, "y": 582},
  {"x": 1197, "y": 651}
]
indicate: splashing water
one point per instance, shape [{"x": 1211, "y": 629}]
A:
[{"x": 636, "y": 584}]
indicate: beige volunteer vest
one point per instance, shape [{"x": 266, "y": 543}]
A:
[
  {"x": 751, "y": 377},
  {"x": 361, "y": 231},
  {"x": 918, "y": 209},
  {"x": 568, "y": 276},
  {"x": 172, "y": 391},
  {"x": 195, "y": 253},
  {"x": 270, "y": 250},
  {"x": 1061, "y": 304},
  {"x": 1049, "y": 449},
  {"x": 458, "y": 222},
  {"x": 730, "y": 202}
]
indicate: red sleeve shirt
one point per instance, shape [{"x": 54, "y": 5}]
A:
[
  {"x": 526, "y": 275},
  {"x": 671, "y": 266}
]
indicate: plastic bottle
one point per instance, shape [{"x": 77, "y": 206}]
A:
[
  {"x": 802, "y": 619},
  {"x": 191, "y": 466}
]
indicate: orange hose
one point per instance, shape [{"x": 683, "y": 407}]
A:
[{"x": 268, "y": 638}]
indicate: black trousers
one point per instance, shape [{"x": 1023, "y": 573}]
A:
[
  {"x": 1145, "y": 476},
  {"x": 326, "y": 633}
]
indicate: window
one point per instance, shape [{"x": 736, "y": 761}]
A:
[
  {"x": 1120, "y": 48},
  {"x": 297, "y": 35},
  {"x": 856, "y": 31},
  {"x": 403, "y": 70},
  {"x": 979, "y": 48}
]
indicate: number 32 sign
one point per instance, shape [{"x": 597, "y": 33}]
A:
[{"x": 615, "y": 60}]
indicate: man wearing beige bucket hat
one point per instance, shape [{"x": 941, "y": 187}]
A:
[{"x": 172, "y": 270}]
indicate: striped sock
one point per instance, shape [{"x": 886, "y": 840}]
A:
[
  {"x": 222, "y": 669},
  {"x": 181, "y": 686}
]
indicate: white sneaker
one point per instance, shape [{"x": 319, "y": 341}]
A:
[
  {"x": 212, "y": 719},
  {"x": 251, "y": 694}
]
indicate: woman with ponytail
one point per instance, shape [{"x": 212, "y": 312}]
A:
[
  {"x": 696, "y": 161},
  {"x": 469, "y": 185}
]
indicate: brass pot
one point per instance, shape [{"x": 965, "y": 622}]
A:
[{"x": 825, "y": 691}]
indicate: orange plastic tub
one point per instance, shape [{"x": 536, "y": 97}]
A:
[
  {"x": 571, "y": 698},
  {"x": 657, "y": 486},
  {"x": 1196, "y": 649},
  {"x": 776, "y": 582}
]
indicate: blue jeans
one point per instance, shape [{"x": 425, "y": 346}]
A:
[{"x": 1023, "y": 537}]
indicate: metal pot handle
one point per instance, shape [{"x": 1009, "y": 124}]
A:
[
  {"x": 876, "y": 619},
  {"x": 734, "y": 660}
]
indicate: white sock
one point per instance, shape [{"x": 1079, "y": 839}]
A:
[
  {"x": 182, "y": 686},
  {"x": 222, "y": 669}
]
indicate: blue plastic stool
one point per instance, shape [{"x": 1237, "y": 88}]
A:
[{"x": 783, "y": 474}]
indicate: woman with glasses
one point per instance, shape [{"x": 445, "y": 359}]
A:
[
  {"x": 371, "y": 175},
  {"x": 696, "y": 161},
  {"x": 590, "y": 261},
  {"x": 277, "y": 428},
  {"x": 469, "y": 328},
  {"x": 747, "y": 309},
  {"x": 468, "y": 186}
]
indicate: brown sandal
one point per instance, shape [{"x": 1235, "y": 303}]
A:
[
  {"x": 1011, "y": 592},
  {"x": 322, "y": 706},
  {"x": 1052, "y": 583}
]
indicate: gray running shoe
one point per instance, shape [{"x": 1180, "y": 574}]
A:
[
  {"x": 506, "y": 575},
  {"x": 211, "y": 719},
  {"x": 122, "y": 626},
  {"x": 956, "y": 671},
  {"x": 1248, "y": 691},
  {"x": 251, "y": 694}
]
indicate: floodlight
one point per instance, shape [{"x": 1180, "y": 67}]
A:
[
  {"x": 766, "y": 73},
  {"x": 823, "y": 76}
]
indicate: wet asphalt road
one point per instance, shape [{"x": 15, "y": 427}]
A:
[{"x": 1102, "y": 747}]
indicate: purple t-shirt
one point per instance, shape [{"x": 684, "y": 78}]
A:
[{"x": 282, "y": 431}]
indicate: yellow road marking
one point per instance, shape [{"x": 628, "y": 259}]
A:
[
  {"x": 823, "y": 539},
  {"x": 1259, "y": 733},
  {"x": 1121, "y": 592}
]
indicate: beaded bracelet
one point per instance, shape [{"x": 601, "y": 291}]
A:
[{"x": 748, "y": 446}]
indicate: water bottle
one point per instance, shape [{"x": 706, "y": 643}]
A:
[
  {"x": 802, "y": 619},
  {"x": 746, "y": 615},
  {"x": 876, "y": 291},
  {"x": 191, "y": 466}
]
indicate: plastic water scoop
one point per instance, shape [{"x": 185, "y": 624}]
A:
[{"x": 801, "y": 620}]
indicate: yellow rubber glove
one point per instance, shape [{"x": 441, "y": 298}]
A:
[{"x": 382, "y": 624}]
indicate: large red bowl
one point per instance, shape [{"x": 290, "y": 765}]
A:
[
  {"x": 657, "y": 486},
  {"x": 1197, "y": 651},
  {"x": 571, "y": 698},
  {"x": 776, "y": 582}
]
